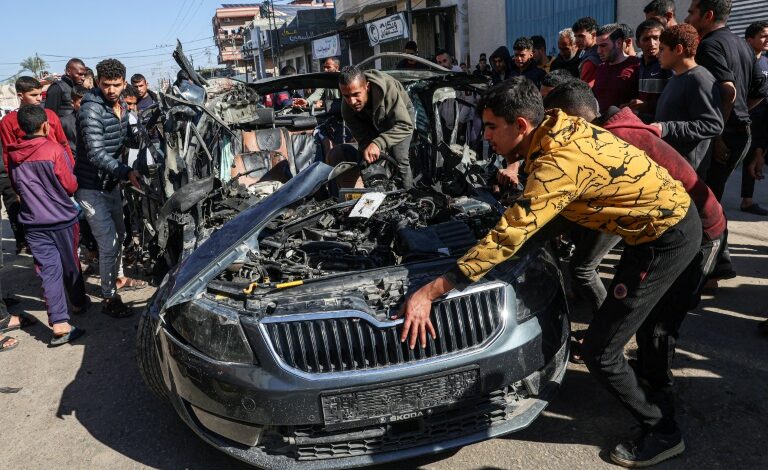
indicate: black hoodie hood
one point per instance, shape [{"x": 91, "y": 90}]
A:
[{"x": 502, "y": 52}]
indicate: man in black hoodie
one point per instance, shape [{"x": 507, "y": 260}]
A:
[
  {"x": 501, "y": 60},
  {"x": 58, "y": 97},
  {"x": 102, "y": 137}
]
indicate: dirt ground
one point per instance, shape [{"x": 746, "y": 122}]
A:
[{"x": 85, "y": 406}]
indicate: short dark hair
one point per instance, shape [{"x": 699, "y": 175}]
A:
[
  {"x": 137, "y": 78},
  {"x": 538, "y": 42},
  {"x": 574, "y": 97},
  {"x": 335, "y": 60},
  {"x": 660, "y": 7},
  {"x": 557, "y": 77},
  {"x": 522, "y": 44},
  {"x": 441, "y": 52},
  {"x": 648, "y": 25},
  {"x": 129, "y": 90},
  {"x": 682, "y": 34},
  {"x": 614, "y": 31},
  {"x": 78, "y": 91},
  {"x": 26, "y": 83},
  {"x": 754, "y": 29},
  {"x": 587, "y": 24},
  {"x": 31, "y": 117},
  {"x": 482, "y": 55},
  {"x": 513, "y": 98},
  {"x": 721, "y": 9},
  {"x": 411, "y": 45},
  {"x": 350, "y": 73},
  {"x": 627, "y": 30},
  {"x": 287, "y": 70},
  {"x": 73, "y": 61},
  {"x": 110, "y": 69}
]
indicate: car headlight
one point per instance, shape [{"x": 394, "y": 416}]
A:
[
  {"x": 213, "y": 330},
  {"x": 535, "y": 288}
]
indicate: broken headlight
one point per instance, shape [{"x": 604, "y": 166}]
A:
[{"x": 214, "y": 331}]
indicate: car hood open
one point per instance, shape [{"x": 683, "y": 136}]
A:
[{"x": 230, "y": 243}]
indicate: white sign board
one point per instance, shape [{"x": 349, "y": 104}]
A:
[
  {"x": 326, "y": 47},
  {"x": 387, "y": 29}
]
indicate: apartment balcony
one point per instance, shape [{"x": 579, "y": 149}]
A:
[{"x": 350, "y": 8}]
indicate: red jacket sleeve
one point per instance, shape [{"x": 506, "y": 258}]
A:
[
  {"x": 57, "y": 133},
  {"x": 63, "y": 168},
  {"x": 588, "y": 73},
  {"x": 6, "y": 134}
]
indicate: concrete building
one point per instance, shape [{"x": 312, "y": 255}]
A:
[
  {"x": 436, "y": 24},
  {"x": 228, "y": 23}
]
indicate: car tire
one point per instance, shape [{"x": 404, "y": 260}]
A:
[{"x": 146, "y": 355}]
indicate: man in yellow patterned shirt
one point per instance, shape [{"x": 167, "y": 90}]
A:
[{"x": 598, "y": 181}]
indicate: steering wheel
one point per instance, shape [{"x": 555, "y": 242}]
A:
[{"x": 378, "y": 173}]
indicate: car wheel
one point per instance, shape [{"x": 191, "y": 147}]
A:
[{"x": 149, "y": 365}]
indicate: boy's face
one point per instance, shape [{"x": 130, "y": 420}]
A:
[
  {"x": 76, "y": 104},
  {"x": 111, "y": 88},
  {"x": 668, "y": 56},
  {"x": 31, "y": 97},
  {"x": 503, "y": 137},
  {"x": 584, "y": 39},
  {"x": 649, "y": 42},
  {"x": 522, "y": 56},
  {"x": 759, "y": 42},
  {"x": 130, "y": 102}
]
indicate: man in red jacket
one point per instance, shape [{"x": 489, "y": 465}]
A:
[
  {"x": 49, "y": 217},
  {"x": 656, "y": 339},
  {"x": 30, "y": 91}
]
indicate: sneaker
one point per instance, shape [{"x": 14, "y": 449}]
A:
[
  {"x": 649, "y": 449},
  {"x": 115, "y": 308}
]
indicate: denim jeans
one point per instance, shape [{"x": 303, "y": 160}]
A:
[{"x": 104, "y": 212}]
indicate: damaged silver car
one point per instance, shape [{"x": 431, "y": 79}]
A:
[{"x": 272, "y": 335}]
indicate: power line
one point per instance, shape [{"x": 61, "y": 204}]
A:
[
  {"x": 191, "y": 17},
  {"x": 178, "y": 13},
  {"x": 119, "y": 54}
]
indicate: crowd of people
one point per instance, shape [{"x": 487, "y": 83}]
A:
[{"x": 629, "y": 146}]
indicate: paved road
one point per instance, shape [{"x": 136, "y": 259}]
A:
[{"x": 85, "y": 406}]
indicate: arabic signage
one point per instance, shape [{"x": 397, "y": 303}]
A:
[
  {"x": 326, "y": 47},
  {"x": 387, "y": 29}
]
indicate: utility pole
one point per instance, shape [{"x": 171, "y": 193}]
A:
[{"x": 409, "y": 19}]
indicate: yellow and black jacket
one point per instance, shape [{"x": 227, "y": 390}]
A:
[{"x": 590, "y": 177}]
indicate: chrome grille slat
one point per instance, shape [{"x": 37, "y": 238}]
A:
[{"x": 347, "y": 341}]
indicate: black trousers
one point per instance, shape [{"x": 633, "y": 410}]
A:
[
  {"x": 737, "y": 141},
  {"x": 645, "y": 273}
]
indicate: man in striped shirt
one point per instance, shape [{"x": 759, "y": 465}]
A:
[{"x": 653, "y": 78}]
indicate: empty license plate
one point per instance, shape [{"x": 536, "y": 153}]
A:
[{"x": 398, "y": 401}]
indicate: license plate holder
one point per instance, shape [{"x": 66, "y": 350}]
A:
[{"x": 398, "y": 401}]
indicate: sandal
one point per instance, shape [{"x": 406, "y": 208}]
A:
[
  {"x": 4, "y": 340},
  {"x": 72, "y": 335},
  {"x": 132, "y": 284},
  {"x": 24, "y": 321}
]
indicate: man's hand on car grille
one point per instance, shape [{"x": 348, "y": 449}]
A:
[{"x": 417, "y": 310}]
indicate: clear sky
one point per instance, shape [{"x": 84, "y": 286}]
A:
[{"x": 140, "y": 33}]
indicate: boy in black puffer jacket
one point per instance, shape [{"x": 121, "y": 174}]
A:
[{"x": 102, "y": 136}]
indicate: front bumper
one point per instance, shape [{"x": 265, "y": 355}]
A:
[{"x": 284, "y": 409}]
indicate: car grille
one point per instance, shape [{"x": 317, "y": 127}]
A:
[
  {"x": 471, "y": 416},
  {"x": 325, "y": 343}
]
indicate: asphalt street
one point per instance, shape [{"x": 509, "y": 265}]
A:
[{"x": 85, "y": 405}]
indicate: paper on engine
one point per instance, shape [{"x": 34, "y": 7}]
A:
[{"x": 367, "y": 204}]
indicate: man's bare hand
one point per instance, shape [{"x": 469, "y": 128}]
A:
[
  {"x": 133, "y": 176},
  {"x": 635, "y": 104},
  {"x": 417, "y": 310},
  {"x": 509, "y": 175},
  {"x": 371, "y": 153},
  {"x": 299, "y": 102},
  {"x": 755, "y": 167}
]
